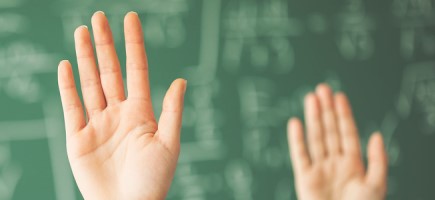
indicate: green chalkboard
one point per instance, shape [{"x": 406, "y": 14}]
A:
[{"x": 248, "y": 63}]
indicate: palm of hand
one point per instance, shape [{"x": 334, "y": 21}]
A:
[
  {"x": 119, "y": 152},
  {"x": 337, "y": 178},
  {"x": 332, "y": 167}
]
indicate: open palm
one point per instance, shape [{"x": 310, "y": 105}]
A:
[
  {"x": 332, "y": 167},
  {"x": 119, "y": 151}
]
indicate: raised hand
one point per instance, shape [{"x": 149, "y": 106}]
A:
[
  {"x": 331, "y": 168},
  {"x": 118, "y": 151}
]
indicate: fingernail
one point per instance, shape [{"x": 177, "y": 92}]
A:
[
  {"x": 133, "y": 12},
  {"x": 99, "y": 12},
  {"x": 84, "y": 26},
  {"x": 63, "y": 62}
]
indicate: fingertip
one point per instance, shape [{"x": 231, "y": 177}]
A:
[
  {"x": 180, "y": 83},
  {"x": 377, "y": 161},
  {"x": 342, "y": 103},
  {"x": 376, "y": 149},
  {"x": 184, "y": 86},
  {"x": 325, "y": 95},
  {"x": 64, "y": 71},
  {"x": 376, "y": 140},
  {"x": 98, "y": 17},
  {"x": 98, "y": 13},
  {"x": 323, "y": 89},
  {"x": 131, "y": 14},
  {"x": 295, "y": 127},
  {"x": 292, "y": 121},
  {"x": 79, "y": 32},
  {"x": 290, "y": 124},
  {"x": 133, "y": 28},
  {"x": 184, "y": 82},
  {"x": 312, "y": 105},
  {"x": 174, "y": 97},
  {"x": 63, "y": 64},
  {"x": 378, "y": 136},
  {"x": 81, "y": 28},
  {"x": 180, "y": 80},
  {"x": 340, "y": 97},
  {"x": 310, "y": 97}
]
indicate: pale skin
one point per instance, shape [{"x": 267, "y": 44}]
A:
[
  {"x": 116, "y": 148},
  {"x": 119, "y": 151},
  {"x": 327, "y": 163}
]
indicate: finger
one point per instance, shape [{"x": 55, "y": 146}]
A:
[
  {"x": 332, "y": 138},
  {"x": 347, "y": 127},
  {"x": 93, "y": 95},
  {"x": 72, "y": 107},
  {"x": 377, "y": 162},
  {"x": 137, "y": 64},
  {"x": 170, "y": 118},
  {"x": 110, "y": 71},
  {"x": 299, "y": 155},
  {"x": 314, "y": 128}
]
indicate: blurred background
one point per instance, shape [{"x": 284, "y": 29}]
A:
[{"x": 249, "y": 64}]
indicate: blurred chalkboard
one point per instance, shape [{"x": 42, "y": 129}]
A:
[{"x": 248, "y": 64}]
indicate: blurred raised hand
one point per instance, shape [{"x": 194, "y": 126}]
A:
[
  {"x": 118, "y": 150},
  {"x": 327, "y": 163}
]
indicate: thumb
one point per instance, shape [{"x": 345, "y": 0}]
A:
[
  {"x": 172, "y": 111},
  {"x": 377, "y": 162}
]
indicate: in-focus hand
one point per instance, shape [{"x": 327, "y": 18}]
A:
[
  {"x": 329, "y": 166},
  {"x": 117, "y": 150}
]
